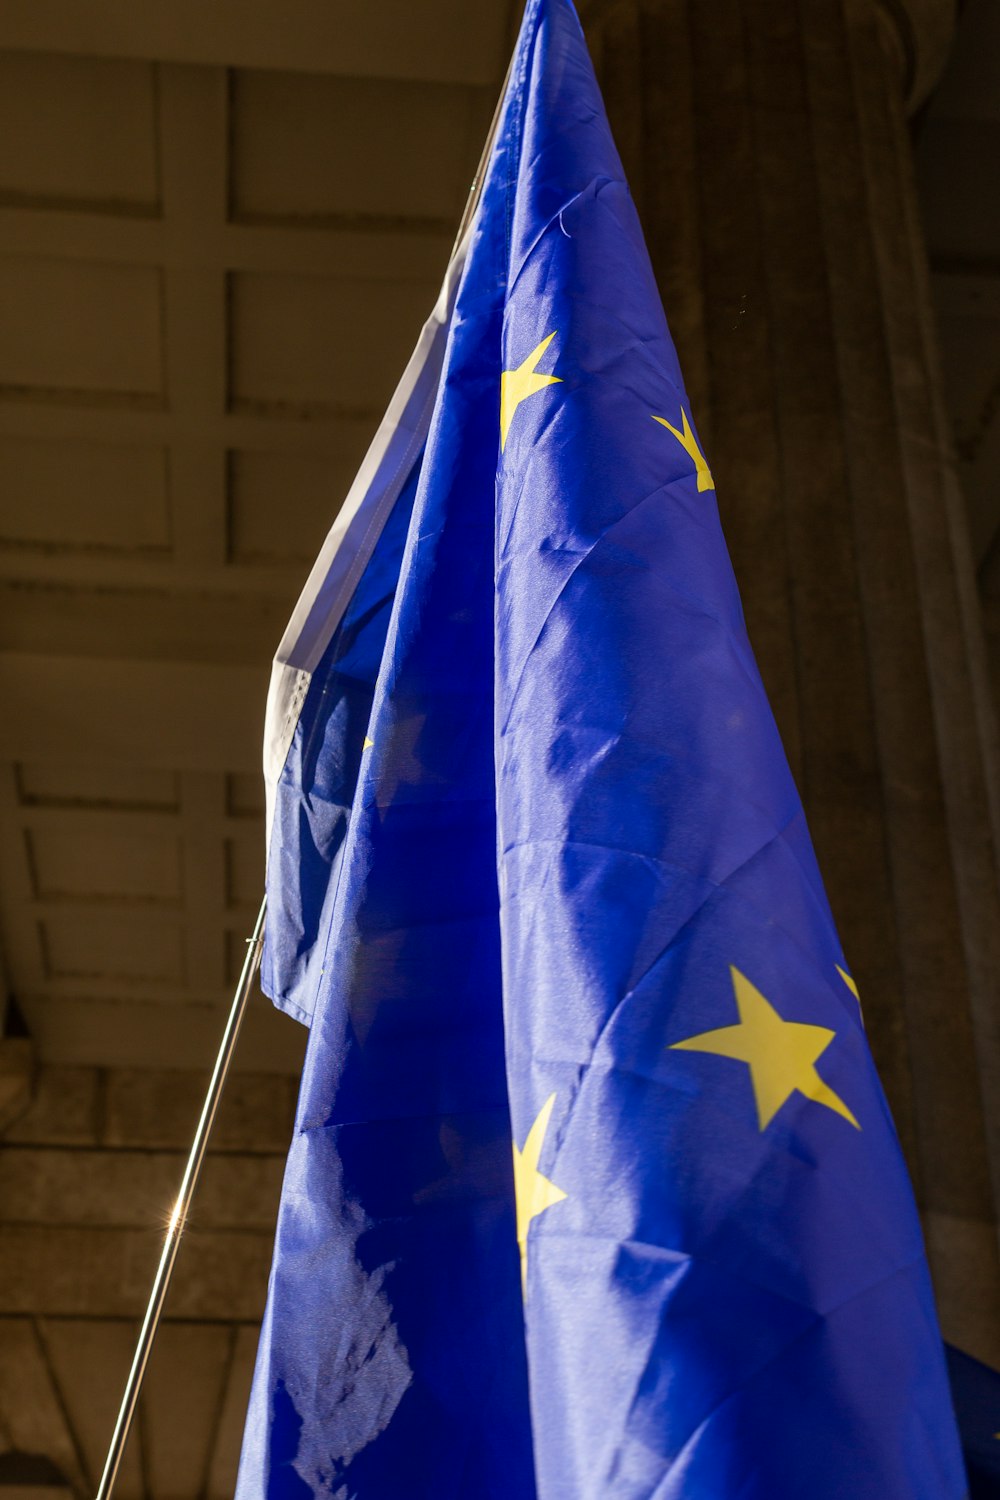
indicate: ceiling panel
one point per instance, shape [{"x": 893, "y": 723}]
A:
[
  {"x": 80, "y": 331},
  {"x": 93, "y": 145},
  {"x": 312, "y": 487},
  {"x": 443, "y": 40},
  {"x": 295, "y": 155},
  {"x": 305, "y": 345},
  {"x": 216, "y": 263},
  {"x": 83, "y": 856},
  {"x": 75, "y": 497}
]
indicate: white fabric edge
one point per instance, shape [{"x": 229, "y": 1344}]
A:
[{"x": 352, "y": 537}]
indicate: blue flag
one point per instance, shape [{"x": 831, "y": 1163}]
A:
[
  {"x": 539, "y": 878},
  {"x": 975, "y": 1388}
]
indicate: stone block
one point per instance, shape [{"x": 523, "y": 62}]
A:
[
  {"x": 257, "y": 1113},
  {"x": 161, "y": 1110},
  {"x": 16, "y": 1078},
  {"x": 63, "y": 1110},
  {"x": 135, "y": 1189},
  {"x": 107, "y": 1273},
  {"x": 222, "y": 1274},
  {"x": 153, "y": 1110}
]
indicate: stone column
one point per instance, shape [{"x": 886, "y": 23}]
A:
[{"x": 767, "y": 148}]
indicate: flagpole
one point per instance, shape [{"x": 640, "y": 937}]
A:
[
  {"x": 175, "y": 1228},
  {"x": 475, "y": 191}
]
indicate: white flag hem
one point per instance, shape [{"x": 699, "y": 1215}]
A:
[{"x": 352, "y": 538}]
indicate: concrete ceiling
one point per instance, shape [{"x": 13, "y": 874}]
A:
[
  {"x": 219, "y": 240},
  {"x": 219, "y": 236}
]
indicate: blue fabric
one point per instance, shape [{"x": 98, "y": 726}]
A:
[
  {"x": 575, "y": 881},
  {"x": 976, "y": 1391},
  {"x": 317, "y": 785}
]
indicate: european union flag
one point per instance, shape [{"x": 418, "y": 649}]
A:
[{"x": 539, "y": 875}]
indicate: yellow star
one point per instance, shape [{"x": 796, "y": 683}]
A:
[
  {"x": 780, "y": 1054},
  {"x": 533, "y": 1192},
  {"x": 853, "y": 989},
  {"x": 517, "y": 385},
  {"x": 689, "y": 443},
  {"x": 849, "y": 982},
  {"x": 369, "y": 742}
]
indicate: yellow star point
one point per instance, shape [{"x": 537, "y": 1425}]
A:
[
  {"x": 368, "y": 743},
  {"x": 517, "y": 385},
  {"x": 780, "y": 1054},
  {"x": 849, "y": 982},
  {"x": 689, "y": 443},
  {"x": 532, "y": 1192}
]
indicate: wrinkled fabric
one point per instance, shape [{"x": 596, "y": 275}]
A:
[
  {"x": 320, "y": 777},
  {"x": 571, "y": 839}
]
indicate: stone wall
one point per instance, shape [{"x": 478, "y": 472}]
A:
[{"x": 87, "y": 1176}]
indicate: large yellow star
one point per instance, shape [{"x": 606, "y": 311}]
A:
[
  {"x": 517, "y": 385},
  {"x": 780, "y": 1054},
  {"x": 532, "y": 1192},
  {"x": 689, "y": 443}
]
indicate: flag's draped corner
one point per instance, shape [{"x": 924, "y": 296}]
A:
[{"x": 541, "y": 878}]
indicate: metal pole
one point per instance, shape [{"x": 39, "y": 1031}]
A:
[
  {"x": 475, "y": 191},
  {"x": 175, "y": 1228}
]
